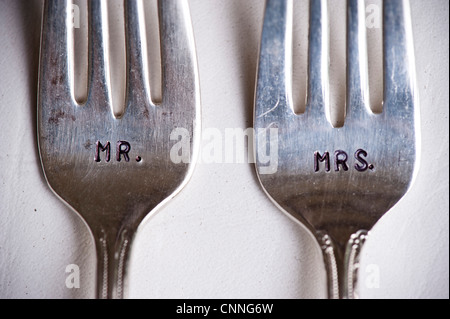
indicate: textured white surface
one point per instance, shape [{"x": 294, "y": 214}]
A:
[{"x": 220, "y": 237}]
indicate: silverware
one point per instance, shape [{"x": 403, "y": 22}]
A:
[
  {"x": 336, "y": 181},
  {"x": 112, "y": 169}
]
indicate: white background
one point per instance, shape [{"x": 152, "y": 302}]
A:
[{"x": 220, "y": 237}]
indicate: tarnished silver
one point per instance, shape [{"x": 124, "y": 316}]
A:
[
  {"x": 114, "y": 170},
  {"x": 337, "y": 181}
]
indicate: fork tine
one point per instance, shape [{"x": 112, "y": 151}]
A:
[
  {"x": 138, "y": 89},
  {"x": 273, "y": 94},
  {"x": 318, "y": 74},
  {"x": 178, "y": 58},
  {"x": 99, "y": 75},
  {"x": 358, "y": 104},
  {"x": 54, "y": 74},
  {"x": 399, "y": 79}
]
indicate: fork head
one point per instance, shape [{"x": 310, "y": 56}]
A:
[
  {"x": 115, "y": 169},
  {"x": 103, "y": 165},
  {"x": 336, "y": 180}
]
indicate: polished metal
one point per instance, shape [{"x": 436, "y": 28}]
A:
[
  {"x": 116, "y": 169},
  {"x": 337, "y": 181}
]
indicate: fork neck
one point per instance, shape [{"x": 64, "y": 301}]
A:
[
  {"x": 112, "y": 250},
  {"x": 342, "y": 264}
]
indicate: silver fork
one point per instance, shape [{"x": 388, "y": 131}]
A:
[
  {"x": 338, "y": 182},
  {"x": 114, "y": 170}
]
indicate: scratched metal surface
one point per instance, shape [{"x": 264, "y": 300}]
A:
[
  {"x": 221, "y": 236},
  {"x": 369, "y": 161},
  {"x": 113, "y": 193}
]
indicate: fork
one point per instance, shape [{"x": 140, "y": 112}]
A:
[
  {"x": 115, "y": 170},
  {"x": 337, "y": 181}
]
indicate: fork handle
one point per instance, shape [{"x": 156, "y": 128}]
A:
[
  {"x": 342, "y": 264},
  {"x": 112, "y": 259},
  {"x": 351, "y": 262}
]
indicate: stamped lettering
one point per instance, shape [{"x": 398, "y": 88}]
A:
[
  {"x": 321, "y": 158},
  {"x": 362, "y": 166},
  {"x": 123, "y": 149},
  {"x": 100, "y": 147},
  {"x": 340, "y": 161}
]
